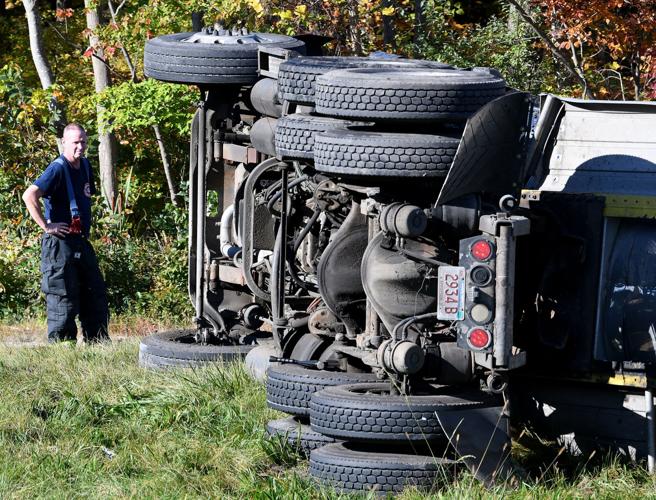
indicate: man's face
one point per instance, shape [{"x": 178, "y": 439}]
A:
[{"x": 75, "y": 144}]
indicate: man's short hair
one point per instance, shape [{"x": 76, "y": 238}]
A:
[{"x": 74, "y": 126}]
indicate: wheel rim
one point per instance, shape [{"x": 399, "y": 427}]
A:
[{"x": 227, "y": 39}]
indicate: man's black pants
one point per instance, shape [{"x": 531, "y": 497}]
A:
[{"x": 74, "y": 287}]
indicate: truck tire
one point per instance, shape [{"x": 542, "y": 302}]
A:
[
  {"x": 413, "y": 94},
  {"x": 170, "y": 58},
  {"x": 295, "y": 133},
  {"x": 351, "y": 468},
  {"x": 298, "y": 434},
  {"x": 297, "y": 76},
  {"x": 290, "y": 387},
  {"x": 384, "y": 154},
  {"x": 369, "y": 413},
  {"x": 176, "y": 349},
  {"x": 309, "y": 347}
]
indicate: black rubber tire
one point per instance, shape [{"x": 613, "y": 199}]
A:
[
  {"x": 368, "y": 413},
  {"x": 175, "y": 349},
  {"x": 351, "y": 468},
  {"x": 384, "y": 154},
  {"x": 169, "y": 59},
  {"x": 309, "y": 347},
  {"x": 298, "y": 434},
  {"x": 290, "y": 387},
  {"x": 295, "y": 133},
  {"x": 421, "y": 94},
  {"x": 297, "y": 76}
]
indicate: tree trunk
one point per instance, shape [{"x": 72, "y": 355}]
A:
[
  {"x": 388, "y": 28},
  {"x": 165, "y": 163},
  {"x": 514, "y": 18},
  {"x": 42, "y": 65},
  {"x": 420, "y": 22},
  {"x": 354, "y": 31},
  {"x": 107, "y": 149}
]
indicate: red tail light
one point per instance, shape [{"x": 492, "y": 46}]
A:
[
  {"x": 481, "y": 250},
  {"x": 479, "y": 338}
]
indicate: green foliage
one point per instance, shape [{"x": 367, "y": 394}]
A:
[
  {"x": 25, "y": 129},
  {"x": 356, "y": 27},
  {"x": 19, "y": 240},
  {"x": 148, "y": 274},
  {"x": 511, "y": 50},
  {"x": 19, "y": 271},
  {"x": 133, "y": 107}
]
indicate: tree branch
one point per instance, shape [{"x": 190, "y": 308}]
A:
[
  {"x": 64, "y": 39},
  {"x": 126, "y": 55},
  {"x": 120, "y": 6},
  {"x": 617, "y": 75},
  {"x": 575, "y": 72},
  {"x": 577, "y": 63},
  {"x": 79, "y": 47},
  {"x": 165, "y": 164}
]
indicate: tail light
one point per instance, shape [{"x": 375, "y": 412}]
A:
[
  {"x": 478, "y": 258},
  {"x": 479, "y": 339},
  {"x": 481, "y": 275},
  {"x": 480, "y": 313},
  {"x": 481, "y": 250},
  {"x": 488, "y": 263}
]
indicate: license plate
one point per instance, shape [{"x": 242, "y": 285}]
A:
[{"x": 451, "y": 293}]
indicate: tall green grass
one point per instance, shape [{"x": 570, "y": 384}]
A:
[{"x": 86, "y": 421}]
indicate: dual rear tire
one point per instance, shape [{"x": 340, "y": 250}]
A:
[
  {"x": 368, "y": 417},
  {"x": 399, "y": 100},
  {"x": 290, "y": 387}
]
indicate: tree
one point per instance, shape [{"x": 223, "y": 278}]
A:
[
  {"x": 42, "y": 65},
  {"x": 107, "y": 142},
  {"x": 155, "y": 126},
  {"x": 605, "y": 44}
]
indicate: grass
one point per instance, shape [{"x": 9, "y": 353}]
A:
[{"x": 86, "y": 421}]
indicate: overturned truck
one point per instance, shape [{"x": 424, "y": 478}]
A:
[{"x": 422, "y": 254}]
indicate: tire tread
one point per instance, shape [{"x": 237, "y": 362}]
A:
[
  {"x": 290, "y": 387},
  {"x": 384, "y": 154}
]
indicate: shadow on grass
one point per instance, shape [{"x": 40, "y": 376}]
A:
[{"x": 553, "y": 467}]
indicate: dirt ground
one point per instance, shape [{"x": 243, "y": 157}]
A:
[{"x": 32, "y": 333}]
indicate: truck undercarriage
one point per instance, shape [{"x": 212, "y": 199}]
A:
[{"x": 420, "y": 254}]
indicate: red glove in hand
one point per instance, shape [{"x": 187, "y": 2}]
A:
[{"x": 76, "y": 226}]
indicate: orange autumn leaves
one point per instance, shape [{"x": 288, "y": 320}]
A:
[{"x": 611, "y": 41}]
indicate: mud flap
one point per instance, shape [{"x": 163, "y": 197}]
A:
[{"x": 481, "y": 439}]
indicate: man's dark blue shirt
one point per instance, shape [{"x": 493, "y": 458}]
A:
[{"x": 52, "y": 184}]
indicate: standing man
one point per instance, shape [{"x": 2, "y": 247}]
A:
[{"x": 71, "y": 278}]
